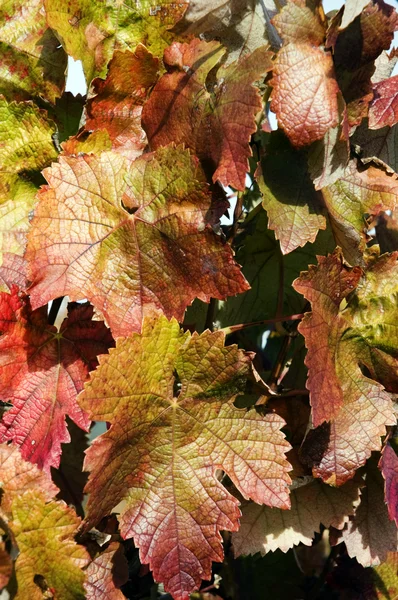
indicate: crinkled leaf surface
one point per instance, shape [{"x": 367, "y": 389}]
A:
[
  {"x": 41, "y": 373},
  {"x": 130, "y": 237},
  {"x": 117, "y": 106},
  {"x": 294, "y": 208},
  {"x": 389, "y": 468},
  {"x": 265, "y": 529},
  {"x": 91, "y": 31},
  {"x": 383, "y": 109},
  {"x": 304, "y": 96},
  {"x": 25, "y": 145},
  {"x": 217, "y": 125},
  {"x": 356, "y": 408},
  {"x": 31, "y": 62},
  {"x": 18, "y": 476},
  {"x": 106, "y": 574},
  {"x": 173, "y": 423},
  {"x": 360, "y": 192},
  {"x": 49, "y": 557},
  {"x": 370, "y": 534}
]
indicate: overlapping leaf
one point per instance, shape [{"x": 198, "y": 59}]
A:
[
  {"x": 32, "y": 64},
  {"x": 265, "y": 529},
  {"x": 217, "y": 125},
  {"x": 304, "y": 96},
  {"x": 117, "y": 106},
  {"x": 130, "y": 237},
  {"x": 49, "y": 559},
  {"x": 389, "y": 468},
  {"x": 91, "y": 31},
  {"x": 106, "y": 574},
  {"x": 41, "y": 373},
  {"x": 383, "y": 110},
  {"x": 294, "y": 208},
  {"x": 356, "y": 408},
  {"x": 173, "y": 423}
]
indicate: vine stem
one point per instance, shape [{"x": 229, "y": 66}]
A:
[{"x": 233, "y": 328}]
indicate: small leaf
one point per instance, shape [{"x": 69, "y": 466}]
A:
[
  {"x": 132, "y": 238},
  {"x": 383, "y": 109},
  {"x": 389, "y": 468},
  {"x": 181, "y": 110},
  {"x": 49, "y": 558},
  {"x": 106, "y": 574},
  {"x": 177, "y": 399},
  {"x": 41, "y": 373},
  {"x": 266, "y": 529}
]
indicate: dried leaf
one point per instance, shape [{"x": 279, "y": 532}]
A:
[
  {"x": 181, "y": 110},
  {"x": 352, "y": 9},
  {"x": 177, "y": 397},
  {"x": 130, "y": 237},
  {"x": 41, "y": 373},
  {"x": 266, "y": 529},
  {"x": 106, "y": 574}
]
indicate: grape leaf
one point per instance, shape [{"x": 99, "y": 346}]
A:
[
  {"x": 13, "y": 272},
  {"x": 180, "y": 109},
  {"x": 352, "y": 9},
  {"x": 106, "y": 574},
  {"x": 382, "y": 143},
  {"x": 118, "y": 103},
  {"x": 91, "y": 31},
  {"x": 386, "y": 577},
  {"x": 19, "y": 476},
  {"x": 5, "y": 566},
  {"x": 130, "y": 237},
  {"x": 370, "y": 534},
  {"x": 304, "y": 96},
  {"x": 241, "y": 26},
  {"x": 177, "y": 397},
  {"x": 265, "y": 529},
  {"x": 41, "y": 372},
  {"x": 383, "y": 109},
  {"x": 357, "y": 407},
  {"x": 355, "y": 50},
  {"x": 25, "y": 145},
  {"x": 49, "y": 558},
  {"x": 31, "y": 61},
  {"x": 389, "y": 468},
  {"x": 294, "y": 208},
  {"x": 360, "y": 192}
]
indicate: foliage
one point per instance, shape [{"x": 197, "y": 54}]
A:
[{"x": 244, "y": 371}]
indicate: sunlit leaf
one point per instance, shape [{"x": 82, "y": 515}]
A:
[
  {"x": 106, "y": 574},
  {"x": 383, "y": 109}
]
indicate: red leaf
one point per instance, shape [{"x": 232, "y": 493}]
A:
[
  {"x": 106, "y": 574},
  {"x": 41, "y": 373},
  {"x": 389, "y": 468},
  {"x": 383, "y": 109}
]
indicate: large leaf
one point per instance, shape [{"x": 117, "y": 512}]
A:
[
  {"x": 106, "y": 574},
  {"x": 294, "y": 208},
  {"x": 49, "y": 558},
  {"x": 117, "y": 106},
  {"x": 132, "y": 238},
  {"x": 31, "y": 60},
  {"x": 304, "y": 97},
  {"x": 265, "y": 529},
  {"x": 339, "y": 342},
  {"x": 370, "y": 534},
  {"x": 41, "y": 373},
  {"x": 173, "y": 423},
  {"x": 181, "y": 110},
  {"x": 91, "y": 31}
]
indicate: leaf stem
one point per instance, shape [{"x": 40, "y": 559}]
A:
[{"x": 233, "y": 328}]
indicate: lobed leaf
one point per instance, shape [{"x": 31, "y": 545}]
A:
[
  {"x": 133, "y": 238},
  {"x": 173, "y": 424}
]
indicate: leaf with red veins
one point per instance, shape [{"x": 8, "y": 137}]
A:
[
  {"x": 217, "y": 125},
  {"x": 117, "y": 105},
  {"x": 265, "y": 529},
  {"x": 358, "y": 408},
  {"x": 383, "y": 109},
  {"x": 13, "y": 271},
  {"x": 304, "y": 97},
  {"x": 370, "y": 535},
  {"x": 106, "y": 574},
  {"x": 389, "y": 467},
  {"x": 173, "y": 424},
  {"x": 133, "y": 238},
  {"x": 298, "y": 23},
  {"x": 41, "y": 373},
  {"x": 293, "y": 207},
  {"x": 18, "y": 476}
]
